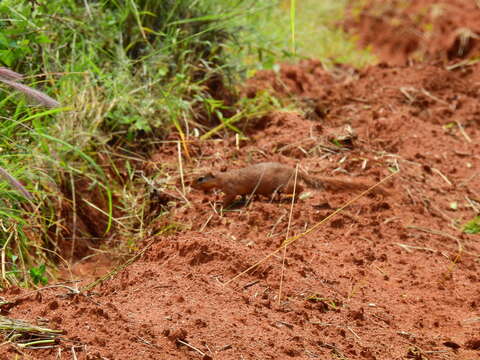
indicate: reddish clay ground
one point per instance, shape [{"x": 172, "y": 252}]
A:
[
  {"x": 403, "y": 30},
  {"x": 391, "y": 277}
]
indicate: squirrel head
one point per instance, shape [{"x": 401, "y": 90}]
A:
[{"x": 205, "y": 182}]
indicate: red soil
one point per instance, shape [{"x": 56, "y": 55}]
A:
[
  {"x": 402, "y": 30},
  {"x": 391, "y": 277}
]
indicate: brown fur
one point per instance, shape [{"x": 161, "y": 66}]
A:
[{"x": 267, "y": 179}]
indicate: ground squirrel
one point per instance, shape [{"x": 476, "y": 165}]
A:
[{"x": 267, "y": 179}]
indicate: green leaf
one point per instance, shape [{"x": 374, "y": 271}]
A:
[
  {"x": 42, "y": 39},
  {"x": 37, "y": 274},
  {"x": 7, "y": 57},
  {"x": 3, "y": 41},
  {"x": 473, "y": 226}
]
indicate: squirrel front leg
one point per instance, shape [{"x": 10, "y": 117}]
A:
[{"x": 228, "y": 199}]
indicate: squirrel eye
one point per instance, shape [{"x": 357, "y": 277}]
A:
[{"x": 204, "y": 178}]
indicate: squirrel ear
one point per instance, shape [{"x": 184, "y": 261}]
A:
[{"x": 209, "y": 175}]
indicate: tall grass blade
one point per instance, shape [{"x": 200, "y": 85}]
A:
[
  {"x": 95, "y": 166},
  {"x": 39, "y": 96},
  {"x": 15, "y": 183},
  {"x": 10, "y": 74},
  {"x": 292, "y": 24}
]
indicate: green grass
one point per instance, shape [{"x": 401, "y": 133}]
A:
[
  {"x": 319, "y": 37},
  {"x": 127, "y": 72},
  {"x": 472, "y": 226},
  {"x": 311, "y": 30}
]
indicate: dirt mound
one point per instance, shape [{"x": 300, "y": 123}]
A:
[
  {"x": 391, "y": 277},
  {"x": 399, "y": 30}
]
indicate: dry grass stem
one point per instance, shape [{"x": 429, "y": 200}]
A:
[
  {"x": 191, "y": 347},
  {"x": 442, "y": 176},
  {"x": 284, "y": 255},
  {"x": 15, "y": 183}
]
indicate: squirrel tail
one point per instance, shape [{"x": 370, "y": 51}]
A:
[
  {"x": 338, "y": 184},
  {"x": 315, "y": 183}
]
